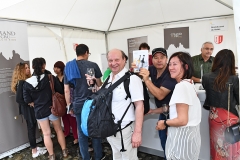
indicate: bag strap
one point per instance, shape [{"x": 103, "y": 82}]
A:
[
  {"x": 229, "y": 88},
  {"x": 106, "y": 82},
  {"x": 51, "y": 83},
  {"x": 117, "y": 83},
  {"x": 120, "y": 128},
  {"x": 126, "y": 87},
  {"x": 111, "y": 88}
]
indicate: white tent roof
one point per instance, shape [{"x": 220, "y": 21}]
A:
[{"x": 109, "y": 15}]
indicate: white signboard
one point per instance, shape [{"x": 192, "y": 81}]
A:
[{"x": 218, "y": 25}]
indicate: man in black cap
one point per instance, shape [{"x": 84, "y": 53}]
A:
[{"x": 161, "y": 85}]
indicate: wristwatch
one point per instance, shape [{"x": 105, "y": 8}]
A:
[{"x": 165, "y": 123}]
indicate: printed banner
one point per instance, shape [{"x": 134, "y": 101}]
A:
[
  {"x": 133, "y": 44},
  {"x": 176, "y": 39},
  {"x": 13, "y": 50}
]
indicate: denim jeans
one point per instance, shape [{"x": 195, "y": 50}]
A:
[
  {"x": 83, "y": 143},
  {"x": 163, "y": 133}
]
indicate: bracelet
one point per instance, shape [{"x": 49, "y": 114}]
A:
[{"x": 165, "y": 123}]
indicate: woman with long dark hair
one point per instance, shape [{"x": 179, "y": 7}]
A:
[
  {"x": 20, "y": 73},
  {"x": 216, "y": 86},
  {"x": 37, "y": 93}
]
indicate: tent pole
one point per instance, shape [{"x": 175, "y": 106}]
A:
[
  {"x": 64, "y": 48},
  {"x": 106, "y": 41},
  {"x": 51, "y": 25},
  {"x": 114, "y": 15},
  {"x": 225, "y": 4},
  {"x": 172, "y": 22},
  {"x": 106, "y": 33}
]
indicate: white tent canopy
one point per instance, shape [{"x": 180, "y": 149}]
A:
[
  {"x": 60, "y": 23},
  {"x": 109, "y": 15}
]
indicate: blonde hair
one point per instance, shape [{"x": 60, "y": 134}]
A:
[{"x": 19, "y": 73}]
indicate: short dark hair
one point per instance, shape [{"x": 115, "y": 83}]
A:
[
  {"x": 59, "y": 64},
  {"x": 81, "y": 49},
  {"x": 144, "y": 45},
  {"x": 186, "y": 59}
]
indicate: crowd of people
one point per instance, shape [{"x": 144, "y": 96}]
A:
[{"x": 169, "y": 79}]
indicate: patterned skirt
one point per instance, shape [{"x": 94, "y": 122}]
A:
[
  {"x": 183, "y": 143},
  {"x": 219, "y": 148}
]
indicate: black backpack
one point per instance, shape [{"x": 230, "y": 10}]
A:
[
  {"x": 145, "y": 93},
  {"x": 100, "y": 120}
]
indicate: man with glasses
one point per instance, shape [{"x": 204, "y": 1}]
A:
[{"x": 204, "y": 61}]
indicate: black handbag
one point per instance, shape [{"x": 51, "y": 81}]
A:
[{"x": 232, "y": 133}]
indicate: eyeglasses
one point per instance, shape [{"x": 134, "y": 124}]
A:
[{"x": 21, "y": 63}]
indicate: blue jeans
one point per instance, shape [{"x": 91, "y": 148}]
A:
[
  {"x": 83, "y": 143},
  {"x": 163, "y": 133}
]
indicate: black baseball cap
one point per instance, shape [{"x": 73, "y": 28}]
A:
[{"x": 159, "y": 50}]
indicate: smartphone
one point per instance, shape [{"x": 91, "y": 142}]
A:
[{"x": 69, "y": 107}]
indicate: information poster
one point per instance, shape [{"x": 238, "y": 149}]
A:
[
  {"x": 13, "y": 50},
  {"x": 176, "y": 39},
  {"x": 133, "y": 44}
]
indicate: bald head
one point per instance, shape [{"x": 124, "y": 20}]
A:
[{"x": 116, "y": 60}]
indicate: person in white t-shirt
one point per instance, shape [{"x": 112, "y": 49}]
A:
[
  {"x": 131, "y": 132},
  {"x": 184, "y": 138}
]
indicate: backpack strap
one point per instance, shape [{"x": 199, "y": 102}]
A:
[
  {"x": 126, "y": 88},
  {"x": 111, "y": 88},
  {"x": 117, "y": 83},
  {"x": 105, "y": 82},
  {"x": 120, "y": 128},
  {"x": 126, "y": 83}
]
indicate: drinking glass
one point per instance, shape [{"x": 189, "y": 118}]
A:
[
  {"x": 91, "y": 73},
  {"x": 165, "y": 109}
]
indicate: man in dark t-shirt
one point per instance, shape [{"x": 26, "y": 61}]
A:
[
  {"x": 161, "y": 85},
  {"x": 81, "y": 92}
]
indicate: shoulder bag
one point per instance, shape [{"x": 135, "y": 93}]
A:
[
  {"x": 232, "y": 132},
  {"x": 58, "y": 107}
]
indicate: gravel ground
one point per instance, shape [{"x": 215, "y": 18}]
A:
[{"x": 73, "y": 152}]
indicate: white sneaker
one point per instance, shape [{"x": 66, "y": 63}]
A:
[
  {"x": 38, "y": 153},
  {"x": 41, "y": 148}
]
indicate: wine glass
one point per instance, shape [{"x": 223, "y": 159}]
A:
[
  {"x": 91, "y": 73},
  {"x": 165, "y": 109}
]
